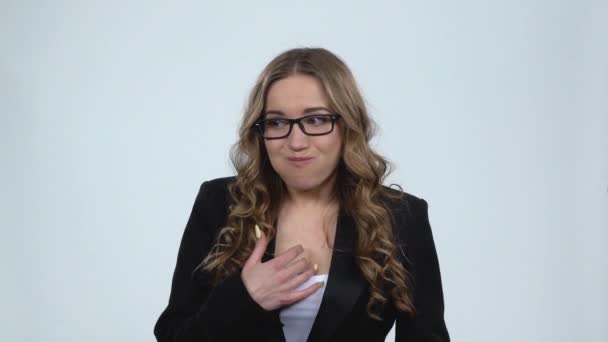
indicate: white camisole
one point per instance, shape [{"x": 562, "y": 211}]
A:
[{"x": 298, "y": 317}]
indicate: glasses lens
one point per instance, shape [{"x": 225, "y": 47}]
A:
[
  {"x": 321, "y": 124},
  {"x": 274, "y": 128}
]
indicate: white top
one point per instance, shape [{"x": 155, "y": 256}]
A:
[{"x": 298, "y": 317}]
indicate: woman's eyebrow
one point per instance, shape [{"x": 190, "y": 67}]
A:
[
  {"x": 278, "y": 112},
  {"x": 307, "y": 110},
  {"x": 315, "y": 109}
]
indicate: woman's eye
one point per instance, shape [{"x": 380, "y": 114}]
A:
[
  {"x": 275, "y": 123},
  {"x": 317, "y": 120}
]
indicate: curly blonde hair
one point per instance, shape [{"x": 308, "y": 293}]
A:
[{"x": 258, "y": 189}]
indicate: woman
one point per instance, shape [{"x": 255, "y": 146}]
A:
[{"x": 305, "y": 243}]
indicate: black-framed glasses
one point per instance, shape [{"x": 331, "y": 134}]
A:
[{"x": 314, "y": 125}]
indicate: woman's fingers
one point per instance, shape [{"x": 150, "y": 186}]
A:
[
  {"x": 259, "y": 249},
  {"x": 290, "y": 297},
  {"x": 297, "y": 280},
  {"x": 272, "y": 283},
  {"x": 286, "y": 257},
  {"x": 293, "y": 269}
]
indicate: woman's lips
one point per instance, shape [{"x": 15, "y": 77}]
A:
[{"x": 300, "y": 161}]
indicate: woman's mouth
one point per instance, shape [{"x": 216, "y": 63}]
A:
[{"x": 300, "y": 161}]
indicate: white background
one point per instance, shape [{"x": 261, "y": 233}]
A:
[{"x": 114, "y": 112}]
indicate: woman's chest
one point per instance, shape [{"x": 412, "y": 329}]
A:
[{"x": 315, "y": 234}]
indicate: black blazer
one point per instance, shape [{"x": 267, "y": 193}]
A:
[{"x": 200, "y": 312}]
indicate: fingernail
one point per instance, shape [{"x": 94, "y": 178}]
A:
[
  {"x": 321, "y": 284},
  {"x": 258, "y": 234},
  {"x": 316, "y": 267}
]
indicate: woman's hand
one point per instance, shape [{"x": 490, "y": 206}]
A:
[{"x": 271, "y": 284}]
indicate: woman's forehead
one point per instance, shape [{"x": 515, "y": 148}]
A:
[{"x": 296, "y": 95}]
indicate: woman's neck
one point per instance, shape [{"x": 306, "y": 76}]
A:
[{"x": 321, "y": 196}]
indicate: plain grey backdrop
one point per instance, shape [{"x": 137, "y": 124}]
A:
[{"x": 114, "y": 112}]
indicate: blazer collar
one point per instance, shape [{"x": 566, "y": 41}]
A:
[{"x": 345, "y": 282}]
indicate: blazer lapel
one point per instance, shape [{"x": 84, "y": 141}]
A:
[{"x": 344, "y": 285}]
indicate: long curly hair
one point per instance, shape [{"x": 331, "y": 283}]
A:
[{"x": 258, "y": 189}]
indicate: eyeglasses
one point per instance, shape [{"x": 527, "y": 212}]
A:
[{"x": 314, "y": 125}]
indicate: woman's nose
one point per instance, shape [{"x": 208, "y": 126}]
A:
[{"x": 297, "y": 140}]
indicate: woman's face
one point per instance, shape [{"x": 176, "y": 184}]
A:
[{"x": 293, "y": 97}]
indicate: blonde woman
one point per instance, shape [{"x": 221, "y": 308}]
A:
[{"x": 305, "y": 243}]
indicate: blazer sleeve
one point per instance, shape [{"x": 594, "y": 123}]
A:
[
  {"x": 197, "y": 311},
  {"x": 428, "y": 324}
]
